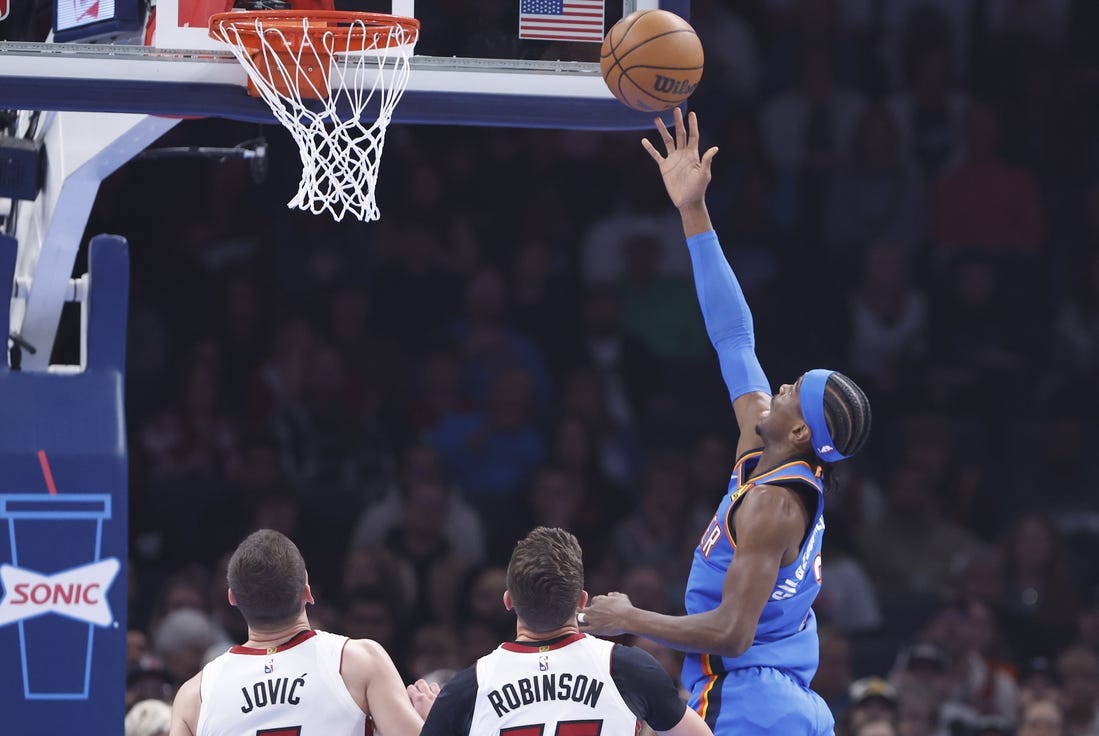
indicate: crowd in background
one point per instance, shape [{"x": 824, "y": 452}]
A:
[{"x": 909, "y": 193}]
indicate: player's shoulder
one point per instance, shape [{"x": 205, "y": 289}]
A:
[
  {"x": 633, "y": 661},
  {"x": 772, "y": 507},
  {"x": 363, "y": 652}
]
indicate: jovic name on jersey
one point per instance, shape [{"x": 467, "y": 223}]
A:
[
  {"x": 293, "y": 688},
  {"x": 570, "y": 686}
]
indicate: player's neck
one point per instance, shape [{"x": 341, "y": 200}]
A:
[
  {"x": 266, "y": 639},
  {"x": 522, "y": 633},
  {"x": 772, "y": 457}
]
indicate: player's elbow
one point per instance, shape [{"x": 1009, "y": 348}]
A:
[{"x": 737, "y": 640}]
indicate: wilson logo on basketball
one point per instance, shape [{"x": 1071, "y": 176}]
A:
[{"x": 669, "y": 86}]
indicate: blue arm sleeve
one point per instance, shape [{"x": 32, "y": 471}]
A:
[{"x": 728, "y": 319}]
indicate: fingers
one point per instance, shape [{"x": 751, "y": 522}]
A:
[
  {"x": 665, "y": 135},
  {"x": 692, "y": 138},
  {"x": 680, "y": 129},
  {"x": 708, "y": 157},
  {"x": 652, "y": 150}
]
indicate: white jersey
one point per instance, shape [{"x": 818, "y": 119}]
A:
[
  {"x": 568, "y": 683},
  {"x": 291, "y": 690}
]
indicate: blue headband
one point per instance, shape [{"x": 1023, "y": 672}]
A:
[{"x": 812, "y": 409}]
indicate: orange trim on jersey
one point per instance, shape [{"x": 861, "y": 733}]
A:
[
  {"x": 768, "y": 481},
  {"x": 293, "y": 641},
  {"x": 704, "y": 698}
]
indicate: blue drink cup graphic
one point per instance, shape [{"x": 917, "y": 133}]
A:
[{"x": 56, "y": 588}]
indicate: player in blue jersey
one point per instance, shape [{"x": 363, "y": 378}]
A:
[{"x": 749, "y": 633}]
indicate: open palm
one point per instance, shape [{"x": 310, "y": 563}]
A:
[{"x": 686, "y": 174}]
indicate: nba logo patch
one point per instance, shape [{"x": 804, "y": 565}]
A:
[
  {"x": 269, "y": 667},
  {"x": 3, "y": 9},
  {"x": 543, "y": 663}
]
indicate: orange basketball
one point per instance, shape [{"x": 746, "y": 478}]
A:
[{"x": 651, "y": 60}]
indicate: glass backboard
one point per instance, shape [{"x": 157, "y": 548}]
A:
[{"x": 476, "y": 62}]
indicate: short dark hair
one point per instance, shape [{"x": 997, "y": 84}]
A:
[
  {"x": 847, "y": 413},
  {"x": 546, "y": 577},
  {"x": 267, "y": 576}
]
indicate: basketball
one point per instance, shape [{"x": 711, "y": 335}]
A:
[{"x": 651, "y": 60}]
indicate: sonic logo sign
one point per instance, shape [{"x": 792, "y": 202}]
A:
[
  {"x": 80, "y": 593},
  {"x": 55, "y": 589}
]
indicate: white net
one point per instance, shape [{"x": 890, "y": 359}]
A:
[{"x": 319, "y": 85}]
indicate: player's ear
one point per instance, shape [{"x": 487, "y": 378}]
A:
[
  {"x": 232, "y": 598},
  {"x": 584, "y": 598},
  {"x": 508, "y": 603},
  {"x": 800, "y": 434},
  {"x": 308, "y": 595}
]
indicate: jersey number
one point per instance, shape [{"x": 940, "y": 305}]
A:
[
  {"x": 564, "y": 728},
  {"x": 284, "y": 731}
]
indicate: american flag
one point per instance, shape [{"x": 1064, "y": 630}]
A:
[{"x": 561, "y": 20}]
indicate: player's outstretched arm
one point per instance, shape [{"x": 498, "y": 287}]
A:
[
  {"x": 374, "y": 682},
  {"x": 185, "y": 708},
  {"x": 728, "y": 319},
  {"x": 770, "y": 522}
]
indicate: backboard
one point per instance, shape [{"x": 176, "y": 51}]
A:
[
  {"x": 476, "y": 63},
  {"x": 87, "y": 106}
]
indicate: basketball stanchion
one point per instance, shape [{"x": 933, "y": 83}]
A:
[{"x": 319, "y": 71}]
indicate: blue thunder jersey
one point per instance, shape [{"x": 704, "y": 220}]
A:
[{"x": 786, "y": 637}]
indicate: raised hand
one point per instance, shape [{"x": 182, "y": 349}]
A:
[
  {"x": 686, "y": 174},
  {"x": 423, "y": 694}
]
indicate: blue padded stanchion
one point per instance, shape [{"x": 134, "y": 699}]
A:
[{"x": 63, "y": 518}]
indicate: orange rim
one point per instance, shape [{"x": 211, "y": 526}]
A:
[{"x": 292, "y": 25}]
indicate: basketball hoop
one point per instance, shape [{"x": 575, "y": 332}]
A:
[{"x": 338, "y": 61}]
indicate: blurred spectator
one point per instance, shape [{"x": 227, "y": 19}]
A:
[
  {"x": 979, "y": 333},
  {"x": 492, "y": 454},
  {"x": 629, "y": 369},
  {"x": 589, "y": 394},
  {"x": 653, "y": 534},
  {"x": 1042, "y": 718},
  {"x": 432, "y": 652},
  {"x": 181, "y": 641},
  {"x": 1038, "y": 681},
  {"x": 462, "y": 525},
  {"x": 876, "y": 194},
  {"x": 490, "y": 346},
  {"x": 930, "y": 111},
  {"x": 888, "y": 325},
  {"x": 927, "y": 667},
  {"x": 876, "y": 727},
  {"x": 544, "y": 303},
  {"x": 558, "y": 499},
  {"x": 147, "y": 679},
  {"x": 986, "y": 684},
  {"x": 917, "y": 711},
  {"x": 912, "y": 521},
  {"x": 1087, "y": 621},
  {"x": 833, "y": 679},
  {"x": 1078, "y": 669},
  {"x": 813, "y": 124},
  {"x": 849, "y": 601},
  {"x": 148, "y": 718},
  {"x": 483, "y": 603},
  {"x": 422, "y": 556},
  {"x": 809, "y": 130},
  {"x": 872, "y": 699},
  {"x": 1039, "y": 600},
  {"x": 659, "y": 309},
  {"x": 986, "y": 202}
]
